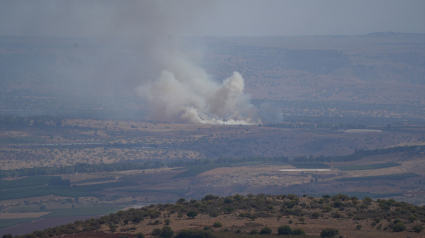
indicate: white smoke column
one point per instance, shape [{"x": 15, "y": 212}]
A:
[
  {"x": 185, "y": 93},
  {"x": 141, "y": 53}
]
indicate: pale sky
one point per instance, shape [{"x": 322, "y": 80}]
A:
[{"x": 220, "y": 17}]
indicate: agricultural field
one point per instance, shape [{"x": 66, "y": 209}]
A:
[{"x": 98, "y": 141}]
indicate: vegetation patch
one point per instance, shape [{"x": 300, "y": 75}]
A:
[
  {"x": 13, "y": 222},
  {"x": 63, "y": 191},
  {"x": 199, "y": 169},
  {"x": 26, "y": 182},
  {"x": 380, "y": 177},
  {"x": 83, "y": 211},
  {"x": 368, "y": 166},
  {"x": 362, "y": 195},
  {"x": 179, "y": 191}
]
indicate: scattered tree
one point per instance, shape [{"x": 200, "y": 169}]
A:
[
  {"x": 284, "y": 230},
  {"x": 329, "y": 232}
]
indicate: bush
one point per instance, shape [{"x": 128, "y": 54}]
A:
[
  {"x": 399, "y": 227},
  {"x": 284, "y": 230},
  {"x": 253, "y": 232},
  {"x": 167, "y": 232},
  {"x": 417, "y": 228},
  {"x": 329, "y": 232},
  {"x": 194, "y": 234},
  {"x": 298, "y": 231},
  {"x": 217, "y": 224},
  {"x": 113, "y": 228},
  {"x": 156, "y": 232},
  {"x": 315, "y": 215},
  {"x": 358, "y": 227},
  {"x": 140, "y": 235},
  {"x": 266, "y": 230},
  {"x": 412, "y": 218},
  {"x": 167, "y": 222},
  {"x": 192, "y": 214},
  {"x": 327, "y": 209},
  {"x": 206, "y": 228}
]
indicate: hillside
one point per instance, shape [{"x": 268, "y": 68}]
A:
[{"x": 236, "y": 216}]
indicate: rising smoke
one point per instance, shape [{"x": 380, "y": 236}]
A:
[{"x": 164, "y": 74}]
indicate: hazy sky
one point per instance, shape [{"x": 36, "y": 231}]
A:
[{"x": 224, "y": 17}]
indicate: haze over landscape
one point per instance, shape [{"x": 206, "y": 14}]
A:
[{"x": 106, "y": 105}]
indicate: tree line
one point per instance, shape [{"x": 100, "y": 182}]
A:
[{"x": 36, "y": 121}]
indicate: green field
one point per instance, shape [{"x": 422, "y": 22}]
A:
[
  {"x": 197, "y": 169},
  {"x": 30, "y": 181},
  {"x": 64, "y": 191},
  {"x": 21, "y": 139},
  {"x": 13, "y": 222},
  {"x": 94, "y": 180},
  {"x": 368, "y": 166},
  {"x": 380, "y": 177},
  {"x": 179, "y": 191},
  {"x": 83, "y": 211}
]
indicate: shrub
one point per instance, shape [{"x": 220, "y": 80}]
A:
[
  {"x": 315, "y": 215},
  {"x": 140, "y": 235},
  {"x": 266, "y": 230},
  {"x": 412, "y": 218},
  {"x": 399, "y": 227},
  {"x": 214, "y": 214},
  {"x": 194, "y": 234},
  {"x": 156, "y": 232},
  {"x": 167, "y": 222},
  {"x": 329, "y": 232},
  {"x": 284, "y": 230},
  {"x": 301, "y": 219},
  {"x": 327, "y": 209},
  {"x": 192, "y": 214},
  {"x": 253, "y": 216},
  {"x": 253, "y": 232},
  {"x": 123, "y": 236},
  {"x": 228, "y": 200},
  {"x": 417, "y": 228},
  {"x": 298, "y": 231},
  {"x": 167, "y": 232},
  {"x": 113, "y": 228},
  {"x": 337, "y": 215},
  {"x": 206, "y": 228},
  {"x": 358, "y": 227},
  {"x": 217, "y": 224}
]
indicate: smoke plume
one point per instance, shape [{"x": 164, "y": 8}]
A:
[{"x": 144, "y": 53}]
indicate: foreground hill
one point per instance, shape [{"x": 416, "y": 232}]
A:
[{"x": 249, "y": 216}]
